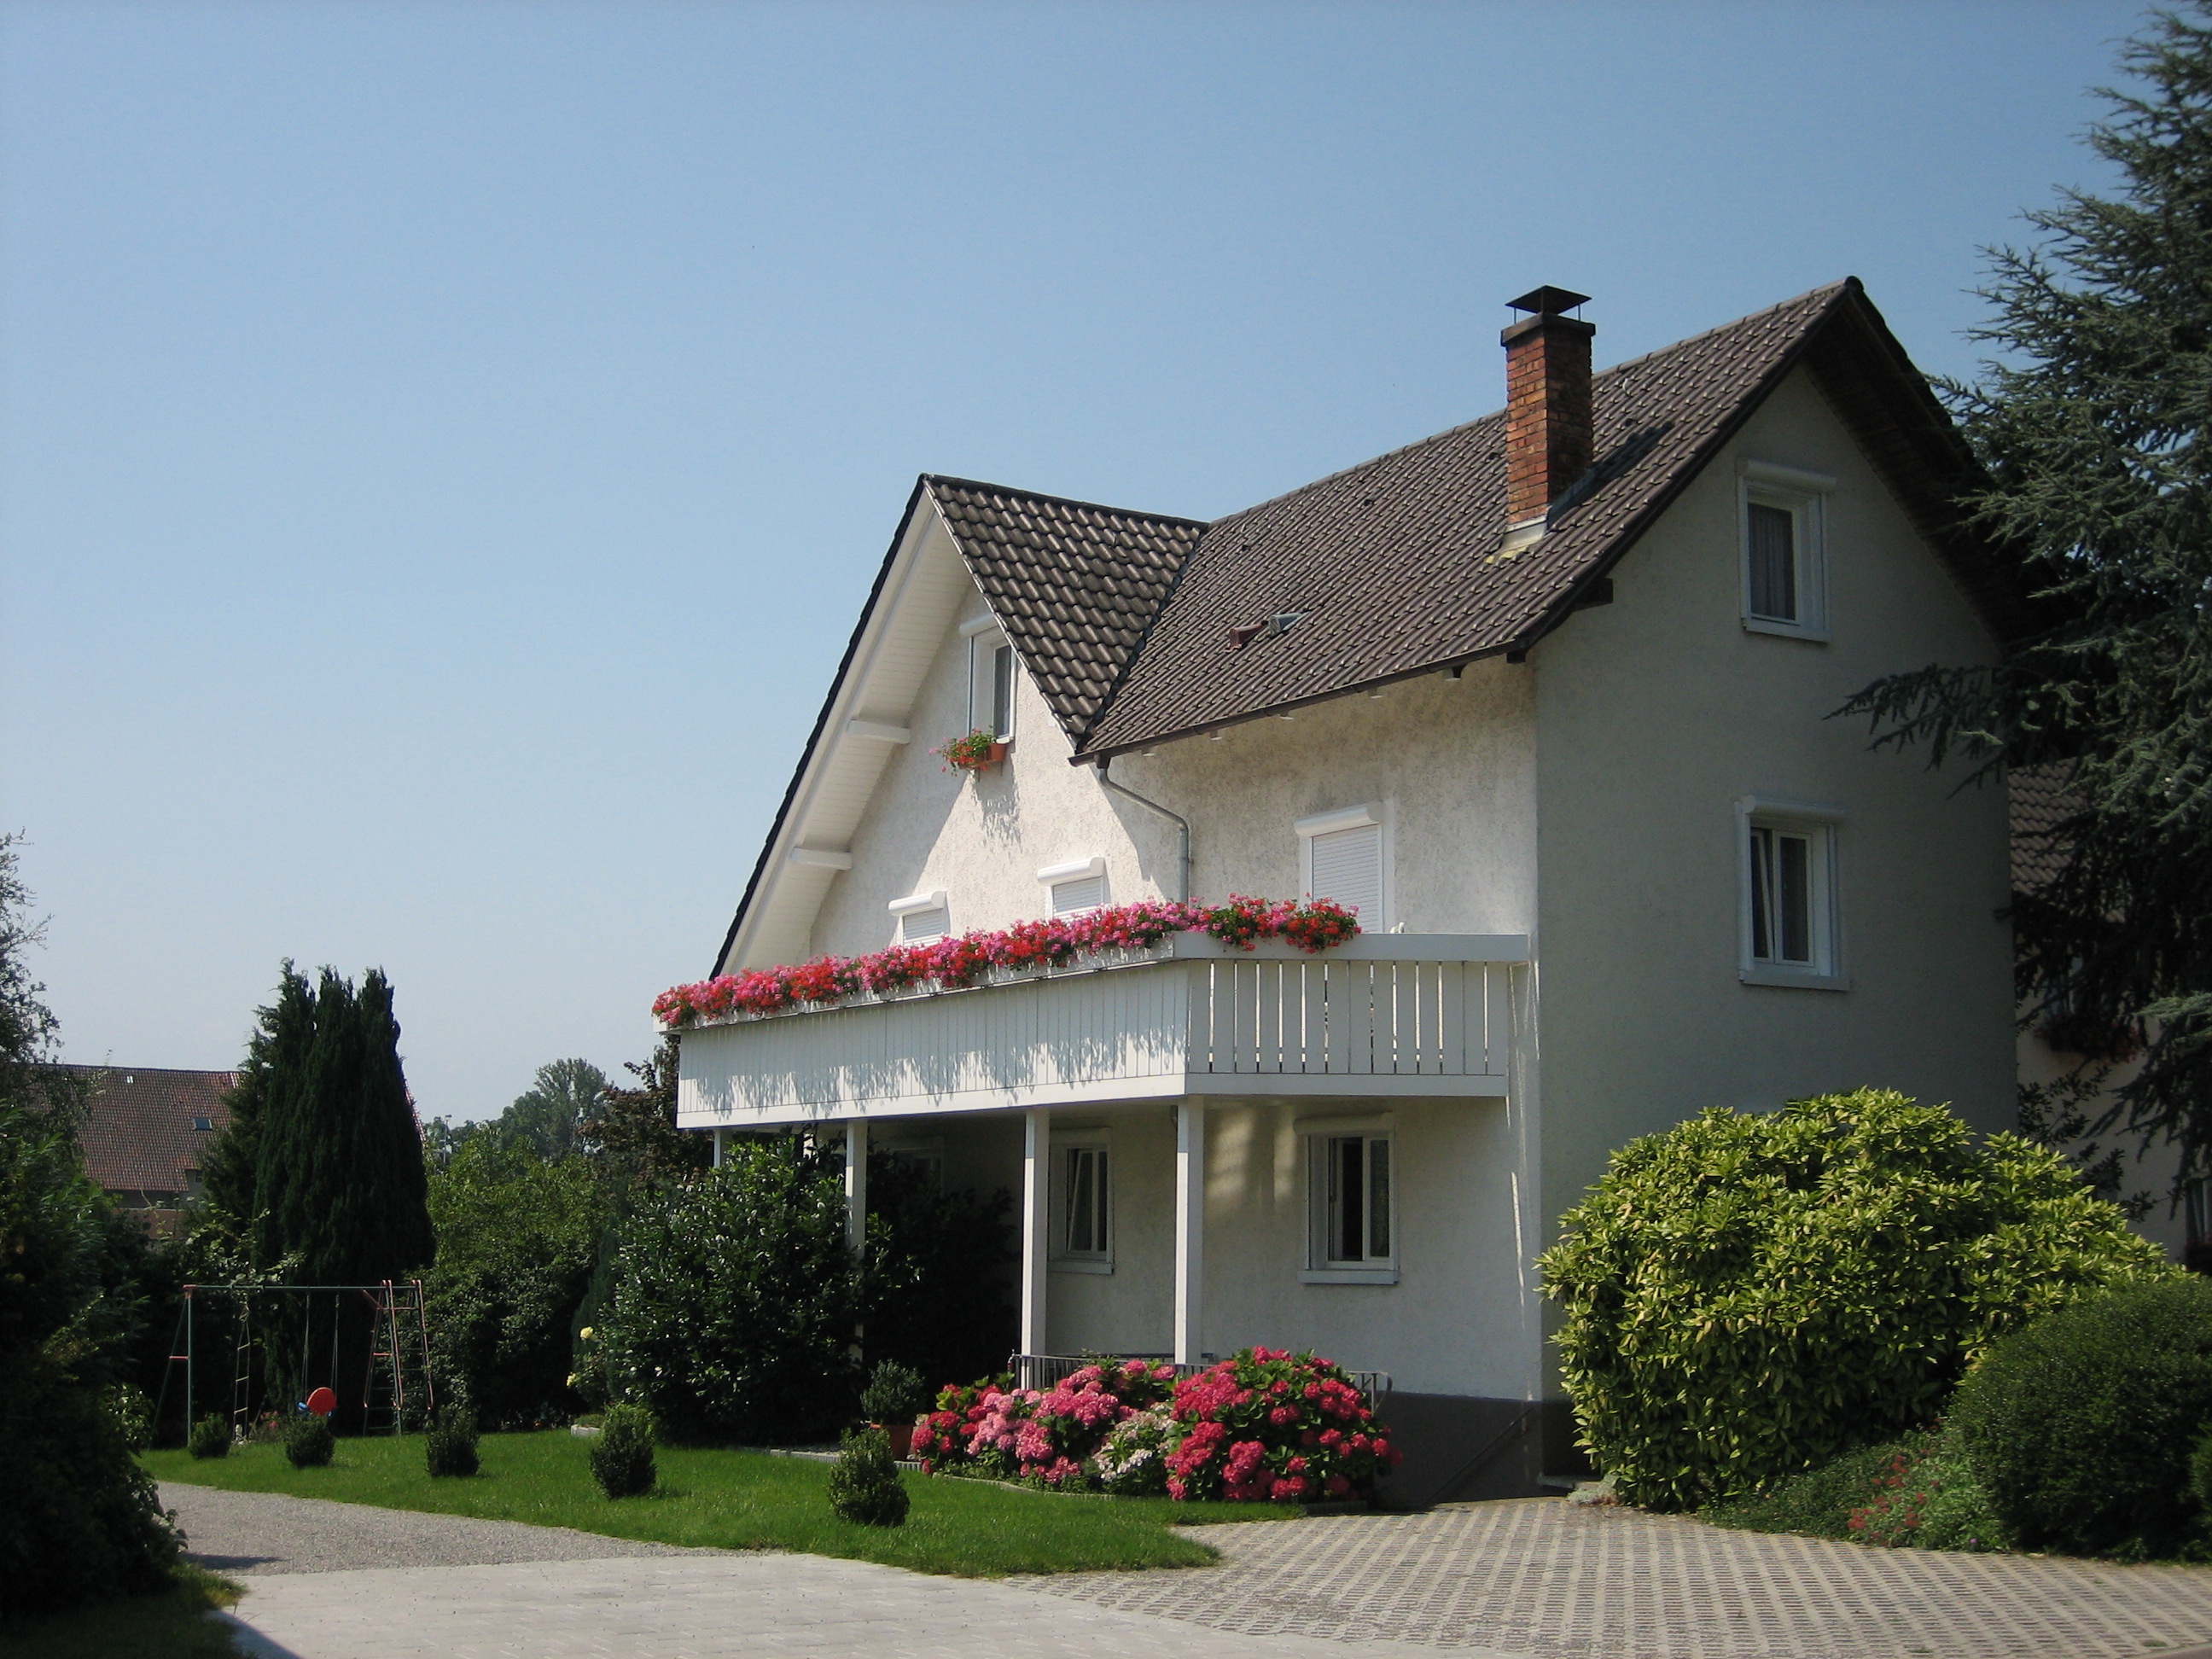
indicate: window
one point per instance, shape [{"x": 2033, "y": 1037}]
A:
[
  {"x": 1785, "y": 561},
  {"x": 203, "y": 1123},
  {"x": 1075, "y": 887},
  {"x": 1352, "y": 1219},
  {"x": 921, "y": 918},
  {"x": 1344, "y": 855},
  {"x": 1083, "y": 1203},
  {"x": 1788, "y": 915},
  {"x": 990, "y": 680}
]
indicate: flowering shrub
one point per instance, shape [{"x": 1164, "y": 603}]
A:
[
  {"x": 961, "y": 961},
  {"x": 1045, "y": 1434},
  {"x": 971, "y": 753},
  {"x": 1265, "y": 1426},
  {"x": 1133, "y": 1460},
  {"x": 1268, "y": 1425}
]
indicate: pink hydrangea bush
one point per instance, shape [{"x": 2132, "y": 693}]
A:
[
  {"x": 1267, "y": 1425},
  {"x": 1043, "y": 1435},
  {"x": 952, "y": 963}
]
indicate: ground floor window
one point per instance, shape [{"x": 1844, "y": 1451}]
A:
[
  {"x": 1352, "y": 1217},
  {"x": 1083, "y": 1198}
]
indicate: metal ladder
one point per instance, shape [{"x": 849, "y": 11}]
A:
[{"x": 397, "y": 1385}]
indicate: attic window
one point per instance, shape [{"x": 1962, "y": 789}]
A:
[
  {"x": 990, "y": 680},
  {"x": 1785, "y": 556},
  {"x": 922, "y": 918},
  {"x": 203, "y": 1123},
  {"x": 1075, "y": 888}
]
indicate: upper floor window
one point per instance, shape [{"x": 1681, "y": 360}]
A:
[
  {"x": 1789, "y": 914},
  {"x": 990, "y": 680},
  {"x": 1352, "y": 1216},
  {"x": 921, "y": 918},
  {"x": 1784, "y": 550},
  {"x": 1344, "y": 855},
  {"x": 1075, "y": 887},
  {"x": 203, "y": 1123}
]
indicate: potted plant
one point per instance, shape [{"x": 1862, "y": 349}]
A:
[
  {"x": 895, "y": 1396},
  {"x": 978, "y": 752}
]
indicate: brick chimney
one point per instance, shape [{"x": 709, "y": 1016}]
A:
[{"x": 1547, "y": 408}]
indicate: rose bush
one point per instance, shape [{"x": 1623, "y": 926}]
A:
[{"x": 961, "y": 961}]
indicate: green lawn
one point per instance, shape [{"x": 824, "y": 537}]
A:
[
  {"x": 171, "y": 1627},
  {"x": 741, "y": 1500}
]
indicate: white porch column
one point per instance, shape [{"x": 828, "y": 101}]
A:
[
  {"x": 719, "y": 1133},
  {"x": 1037, "y": 1207},
  {"x": 1190, "y": 1231},
  {"x": 856, "y": 1185}
]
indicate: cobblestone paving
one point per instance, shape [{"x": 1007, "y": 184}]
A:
[{"x": 1549, "y": 1578}]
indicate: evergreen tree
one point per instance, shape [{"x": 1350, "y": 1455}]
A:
[
  {"x": 339, "y": 1176},
  {"x": 231, "y": 1173},
  {"x": 2092, "y": 426}
]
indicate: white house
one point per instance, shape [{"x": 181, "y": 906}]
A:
[{"x": 1548, "y": 698}]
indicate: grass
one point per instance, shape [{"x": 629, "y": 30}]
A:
[
  {"x": 175, "y": 1626},
  {"x": 740, "y": 1500}
]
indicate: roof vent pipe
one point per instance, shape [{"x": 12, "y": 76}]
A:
[{"x": 1547, "y": 408}]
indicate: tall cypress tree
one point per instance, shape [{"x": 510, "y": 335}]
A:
[
  {"x": 339, "y": 1174},
  {"x": 2093, "y": 427}
]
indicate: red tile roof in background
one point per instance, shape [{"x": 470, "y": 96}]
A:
[{"x": 138, "y": 1135}]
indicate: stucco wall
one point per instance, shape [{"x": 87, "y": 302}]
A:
[
  {"x": 1454, "y": 761},
  {"x": 1656, "y": 714},
  {"x": 1461, "y": 1320}
]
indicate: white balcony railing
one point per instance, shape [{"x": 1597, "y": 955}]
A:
[{"x": 1388, "y": 1014}]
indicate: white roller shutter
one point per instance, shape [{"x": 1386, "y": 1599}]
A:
[{"x": 1347, "y": 866}]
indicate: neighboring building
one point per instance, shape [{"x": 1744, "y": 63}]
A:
[
  {"x": 146, "y": 1132},
  {"x": 1547, "y": 697}
]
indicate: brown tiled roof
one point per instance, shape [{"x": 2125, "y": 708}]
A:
[
  {"x": 2040, "y": 802},
  {"x": 1074, "y": 585},
  {"x": 138, "y": 1135},
  {"x": 1396, "y": 563}
]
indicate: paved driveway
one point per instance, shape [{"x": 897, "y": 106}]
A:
[{"x": 329, "y": 1581}]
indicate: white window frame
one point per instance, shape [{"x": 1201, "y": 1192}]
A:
[
  {"x": 1821, "y": 825},
  {"x": 1318, "y": 1135},
  {"x": 985, "y": 639},
  {"x": 1066, "y": 1145},
  {"x": 1804, "y": 496},
  {"x": 1053, "y": 875},
  {"x": 916, "y": 904},
  {"x": 1376, "y": 812}
]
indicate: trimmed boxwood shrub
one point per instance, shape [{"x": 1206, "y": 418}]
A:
[
  {"x": 1747, "y": 1295},
  {"x": 865, "y": 1487},
  {"x": 211, "y": 1436},
  {"x": 621, "y": 1453},
  {"x": 2081, "y": 1427},
  {"x": 309, "y": 1441},
  {"x": 450, "y": 1449}
]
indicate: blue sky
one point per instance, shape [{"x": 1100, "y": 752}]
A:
[{"x": 444, "y": 447}]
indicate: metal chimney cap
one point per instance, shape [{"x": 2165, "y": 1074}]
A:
[{"x": 1549, "y": 302}]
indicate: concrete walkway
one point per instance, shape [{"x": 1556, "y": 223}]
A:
[{"x": 1485, "y": 1581}]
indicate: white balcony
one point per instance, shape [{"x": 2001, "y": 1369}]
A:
[{"x": 1388, "y": 1015}]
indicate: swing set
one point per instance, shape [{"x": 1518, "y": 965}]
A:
[{"x": 395, "y": 1389}]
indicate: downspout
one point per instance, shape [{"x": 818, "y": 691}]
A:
[{"x": 1182, "y": 824}]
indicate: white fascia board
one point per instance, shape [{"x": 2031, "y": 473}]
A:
[
  {"x": 1052, "y": 873},
  {"x": 1345, "y": 818},
  {"x": 920, "y": 595}
]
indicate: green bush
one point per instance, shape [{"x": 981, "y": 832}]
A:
[
  {"x": 1747, "y": 1296},
  {"x": 2081, "y": 1426},
  {"x": 895, "y": 1393},
  {"x": 211, "y": 1436},
  {"x": 81, "y": 1520},
  {"x": 621, "y": 1453},
  {"x": 1919, "y": 1491},
  {"x": 450, "y": 1448},
  {"x": 865, "y": 1487},
  {"x": 517, "y": 1239},
  {"x": 309, "y": 1441}
]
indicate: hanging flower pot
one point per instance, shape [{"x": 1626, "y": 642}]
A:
[{"x": 978, "y": 752}]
